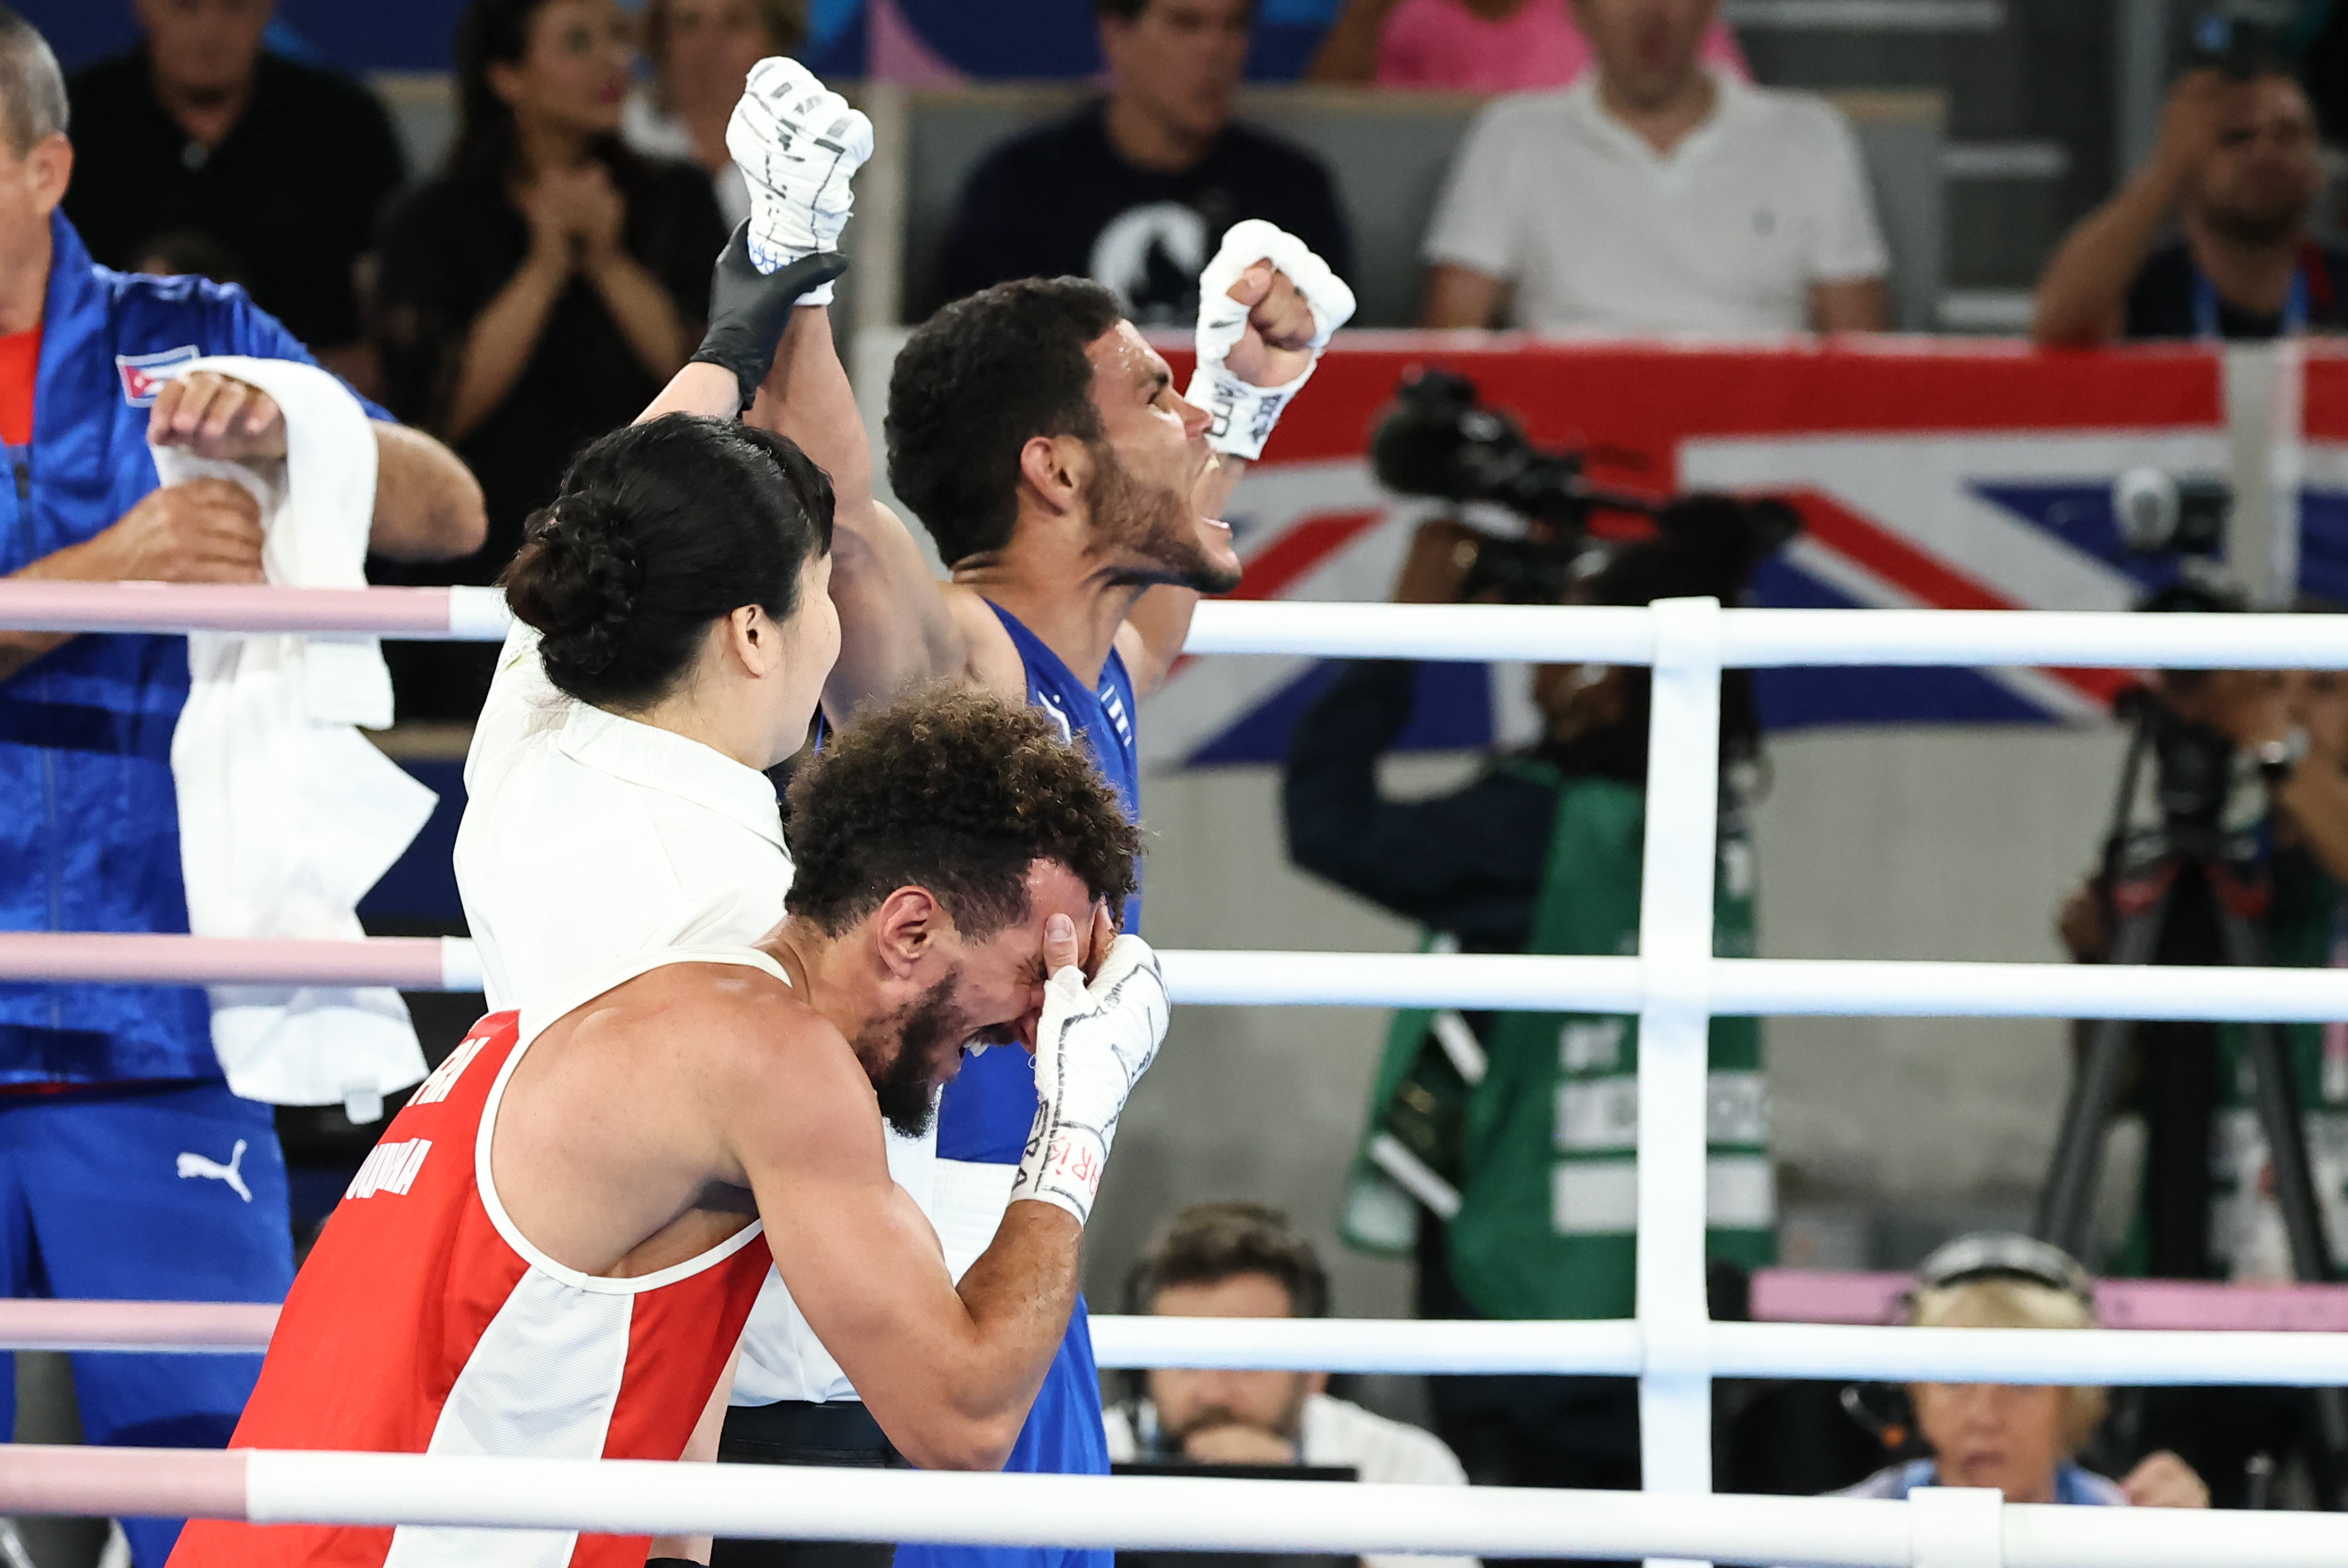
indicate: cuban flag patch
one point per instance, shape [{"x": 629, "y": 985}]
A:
[{"x": 143, "y": 375}]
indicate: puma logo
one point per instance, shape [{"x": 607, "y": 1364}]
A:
[{"x": 194, "y": 1165}]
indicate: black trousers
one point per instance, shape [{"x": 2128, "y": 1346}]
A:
[{"x": 792, "y": 1432}]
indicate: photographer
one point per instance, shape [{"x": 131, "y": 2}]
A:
[
  {"x": 2299, "y": 717},
  {"x": 1521, "y": 1137},
  {"x": 2210, "y": 238},
  {"x": 2207, "y": 1204}
]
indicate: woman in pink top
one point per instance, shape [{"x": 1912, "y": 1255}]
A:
[{"x": 1474, "y": 45}]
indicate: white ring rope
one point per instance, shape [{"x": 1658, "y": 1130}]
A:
[
  {"x": 1760, "y": 638},
  {"x": 1748, "y": 638},
  {"x": 1779, "y": 988},
  {"x": 1604, "y": 1347},
  {"x": 1203, "y": 1514}
]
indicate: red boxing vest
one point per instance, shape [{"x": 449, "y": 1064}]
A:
[{"x": 423, "y": 1322}]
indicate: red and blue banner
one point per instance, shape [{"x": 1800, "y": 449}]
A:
[{"x": 1962, "y": 474}]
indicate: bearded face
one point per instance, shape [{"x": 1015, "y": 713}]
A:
[
  {"x": 2258, "y": 181},
  {"x": 910, "y": 1054},
  {"x": 1153, "y": 526}
]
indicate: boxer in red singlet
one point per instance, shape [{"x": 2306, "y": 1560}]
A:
[{"x": 552, "y": 1251}]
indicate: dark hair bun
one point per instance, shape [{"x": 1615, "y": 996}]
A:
[
  {"x": 661, "y": 528},
  {"x": 576, "y": 580}
]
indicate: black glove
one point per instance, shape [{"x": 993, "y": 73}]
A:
[{"x": 748, "y": 309}]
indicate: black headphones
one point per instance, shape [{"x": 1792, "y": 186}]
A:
[{"x": 1883, "y": 1409}]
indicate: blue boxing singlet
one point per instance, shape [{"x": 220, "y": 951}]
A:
[{"x": 983, "y": 1124}]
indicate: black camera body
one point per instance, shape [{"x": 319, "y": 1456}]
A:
[
  {"x": 2162, "y": 513},
  {"x": 2193, "y": 764},
  {"x": 1439, "y": 440}
]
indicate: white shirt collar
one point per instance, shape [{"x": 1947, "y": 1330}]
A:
[
  {"x": 1730, "y": 97},
  {"x": 663, "y": 760}
]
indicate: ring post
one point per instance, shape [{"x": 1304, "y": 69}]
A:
[{"x": 1675, "y": 943}]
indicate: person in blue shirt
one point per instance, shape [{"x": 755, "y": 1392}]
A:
[
  {"x": 128, "y": 1170},
  {"x": 2019, "y": 1440}
]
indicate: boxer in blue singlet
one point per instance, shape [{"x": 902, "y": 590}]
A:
[
  {"x": 986, "y": 1111},
  {"x": 1040, "y": 439}
]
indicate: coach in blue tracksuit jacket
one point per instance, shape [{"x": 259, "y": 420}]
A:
[{"x": 127, "y": 1168}]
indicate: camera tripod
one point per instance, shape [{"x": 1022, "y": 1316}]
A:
[{"x": 2150, "y": 872}]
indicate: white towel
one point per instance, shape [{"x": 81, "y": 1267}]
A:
[{"x": 287, "y": 813}]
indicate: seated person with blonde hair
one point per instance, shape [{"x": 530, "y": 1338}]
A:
[{"x": 2019, "y": 1440}]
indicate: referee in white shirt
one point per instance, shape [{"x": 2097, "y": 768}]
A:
[
  {"x": 1656, "y": 197},
  {"x": 1245, "y": 1260}
]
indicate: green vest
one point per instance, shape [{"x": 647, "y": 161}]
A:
[{"x": 1540, "y": 1149}]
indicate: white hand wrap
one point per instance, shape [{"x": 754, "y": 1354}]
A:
[
  {"x": 1092, "y": 1046},
  {"x": 1245, "y": 414},
  {"x": 798, "y": 146}
]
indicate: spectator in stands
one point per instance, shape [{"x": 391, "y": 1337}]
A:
[
  {"x": 539, "y": 290},
  {"x": 131, "y": 1170},
  {"x": 700, "y": 52},
  {"x": 1656, "y": 196},
  {"x": 1246, "y": 1260},
  {"x": 1476, "y": 45},
  {"x": 2238, "y": 170},
  {"x": 2020, "y": 1440},
  {"x": 1135, "y": 191},
  {"x": 2209, "y": 1205},
  {"x": 284, "y": 167},
  {"x": 1523, "y": 1168}
]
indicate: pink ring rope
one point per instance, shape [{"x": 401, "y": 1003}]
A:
[
  {"x": 44, "y": 606},
  {"x": 409, "y": 963},
  {"x": 1819, "y": 1296},
  {"x": 195, "y": 1326},
  {"x": 98, "y": 1482}
]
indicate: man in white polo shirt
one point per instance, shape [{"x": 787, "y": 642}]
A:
[{"x": 1655, "y": 196}]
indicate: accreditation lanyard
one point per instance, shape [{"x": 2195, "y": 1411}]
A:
[{"x": 2295, "y": 305}]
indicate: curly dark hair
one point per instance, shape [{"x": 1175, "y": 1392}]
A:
[
  {"x": 977, "y": 382},
  {"x": 958, "y": 792},
  {"x": 1207, "y": 1244}
]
